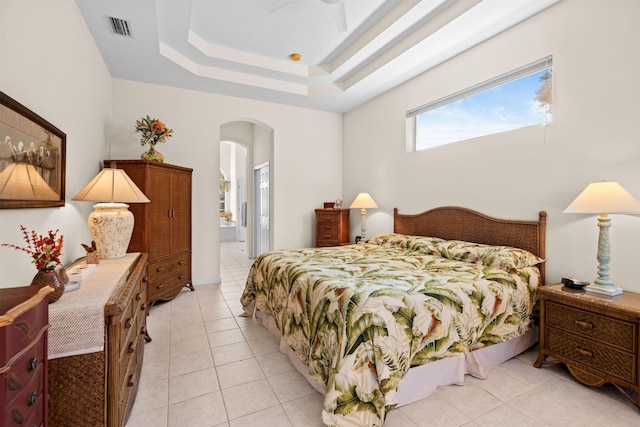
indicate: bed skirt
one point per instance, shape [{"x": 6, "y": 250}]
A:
[{"x": 423, "y": 380}]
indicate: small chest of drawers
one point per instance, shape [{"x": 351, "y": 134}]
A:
[
  {"x": 23, "y": 356},
  {"x": 332, "y": 227},
  {"x": 595, "y": 337}
]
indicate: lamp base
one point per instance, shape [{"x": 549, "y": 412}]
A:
[
  {"x": 111, "y": 226},
  {"x": 609, "y": 290}
]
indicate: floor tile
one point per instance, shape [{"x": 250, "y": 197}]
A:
[
  {"x": 231, "y": 353},
  {"x": 186, "y": 363},
  {"x": 231, "y": 336},
  {"x": 202, "y": 411},
  {"x": 270, "y": 417},
  {"x": 236, "y": 373},
  {"x": 247, "y": 398},
  {"x": 193, "y": 384}
]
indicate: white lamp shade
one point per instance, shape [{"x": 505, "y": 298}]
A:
[
  {"x": 604, "y": 197},
  {"x": 363, "y": 200},
  {"x": 111, "y": 185},
  {"x": 21, "y": 181}
]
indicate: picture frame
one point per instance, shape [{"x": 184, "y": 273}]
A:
[{"x": 32, "y": 158}]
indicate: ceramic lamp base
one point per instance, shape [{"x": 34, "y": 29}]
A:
[{"x": 111, "y": 226}]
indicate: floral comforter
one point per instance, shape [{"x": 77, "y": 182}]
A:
[{"x": 360, "y": 316}]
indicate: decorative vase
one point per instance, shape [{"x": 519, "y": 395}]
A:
[
  {"x": 152, "y": 155},
  {"x": 48, "y": 277}
]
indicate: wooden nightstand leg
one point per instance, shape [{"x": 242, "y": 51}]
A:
[{"x": 540, "y": 360}]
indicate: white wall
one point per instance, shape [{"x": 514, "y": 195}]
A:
[
  {"x": 307, "y": 164},
  {"x": 595, "y": 136},
  {"x": 57, "y": 72}
]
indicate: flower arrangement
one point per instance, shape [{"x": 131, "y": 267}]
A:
[
  {"x": 45, "y": 250},
  {"x": 152, "y": 130}
]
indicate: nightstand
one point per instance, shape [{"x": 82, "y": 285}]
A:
[
  {"x": 332, "y": 227},
  {"x": 596, "y": 337}
]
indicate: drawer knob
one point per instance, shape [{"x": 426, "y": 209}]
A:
[
  {"x": 159, "y": 269},
  {"x": 160, "y": 286},
  {"x": 180, "y": 262},
  {"x": 33, "y": 398},
  {"x": 583, "y": 325},
  {"x": 138, "y": 296},
  {"x": 33, "y": 364},
  {"x": 584, "y": 352},
  {"x": 130, "y": 381},
  {"x": 181, "y": 277},
  {"x": 142, "y": 331},
  {"x": 132, "y": 347},
  {"x": 127, "y": 323},
  {"x": 143, "y": 307}
]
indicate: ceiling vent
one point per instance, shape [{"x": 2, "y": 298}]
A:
[{"x": 119, "y": 26}]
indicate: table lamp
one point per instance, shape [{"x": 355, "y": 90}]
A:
[
  {"x": 604, "y": 198},
  {"x": 111, "y": 222},
  {"x": 363, "y": 201}
]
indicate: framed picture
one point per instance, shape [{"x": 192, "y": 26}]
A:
[{"x": 32, "y": 158}]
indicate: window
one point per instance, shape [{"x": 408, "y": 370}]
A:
[{"x": 517, "y": 99}]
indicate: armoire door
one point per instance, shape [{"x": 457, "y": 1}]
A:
[
  {"x": 160, "y": 215},
  {"x": 181, "y": 215}
]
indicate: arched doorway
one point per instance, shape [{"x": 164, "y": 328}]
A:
[{"x": 245, "y": 198}]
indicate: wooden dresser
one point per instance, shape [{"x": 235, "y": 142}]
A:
[
  {"x": 23, "y": 356},
  {"x": 596, "y": 337},
  {"x": 162, "y": 227},
  {"x": 96, "y": 345},
  {"x": 332, "y": 227}
]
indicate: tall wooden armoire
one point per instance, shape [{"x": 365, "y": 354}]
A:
[{"x": 162, "y": 227}]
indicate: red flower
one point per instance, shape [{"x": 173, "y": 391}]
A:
[{"x": 45, "y": 250}]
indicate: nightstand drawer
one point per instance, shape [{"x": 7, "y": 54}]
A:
[
  {"x": 328, "y": 230},
  {"x": 327, "y": 218},
  {"x": 612, "y": 331},
  {"x": 592, "y": 354}
]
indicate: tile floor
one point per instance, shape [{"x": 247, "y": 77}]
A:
[{"x": 208, "y": 367}]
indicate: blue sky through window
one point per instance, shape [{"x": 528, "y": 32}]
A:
[{"x": 509, "y": 106}]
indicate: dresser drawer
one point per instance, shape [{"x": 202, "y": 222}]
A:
[
  {"x": 616, "y": 332},
  {"x": 168, "y": 283},
  {"x": 130, "y": 319},
  {"x": 23, "y": 331},
  {"x": 25, "y": 415},
  {"x": 127, "y": 364},
  {"x": 26, "y": 373},
  {"x": 594, "y": 355},
  {"x": 162, "y": 268}
]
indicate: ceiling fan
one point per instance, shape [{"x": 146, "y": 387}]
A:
[{"x": 337, "y": 9}]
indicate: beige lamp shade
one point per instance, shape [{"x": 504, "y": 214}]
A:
[
  {"x": 111, "y": 185},
  {"x": 363, "y": 200},
  {"x": 21, "y": 181},
  {"x": 604, "y": 197},
  {"x": 111, "y": 223}
]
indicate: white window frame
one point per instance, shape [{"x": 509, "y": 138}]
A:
[{"x": 411, "y": 121}]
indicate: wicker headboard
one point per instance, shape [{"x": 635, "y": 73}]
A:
[{"x": 455, "y": 223}]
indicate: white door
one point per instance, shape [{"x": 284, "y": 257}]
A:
[{"x": 261, "y": 184}]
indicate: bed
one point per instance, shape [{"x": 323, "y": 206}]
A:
[{"x": 382, "y": 323}]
